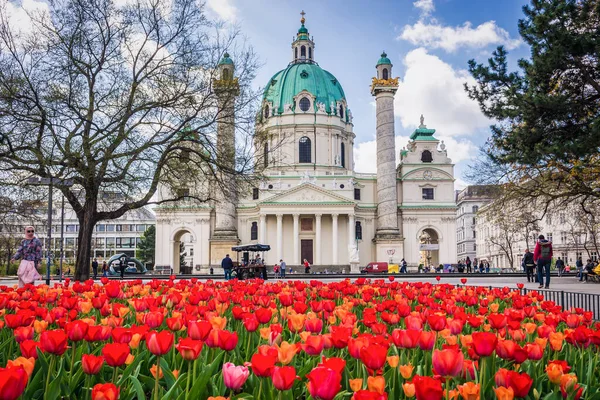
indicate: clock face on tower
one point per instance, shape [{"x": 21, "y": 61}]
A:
[{"x": 427, "y": 174}]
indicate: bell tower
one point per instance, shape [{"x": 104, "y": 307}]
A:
[
  {"x": 388, "y": 239},
  {"x": 303, "y": 47}
]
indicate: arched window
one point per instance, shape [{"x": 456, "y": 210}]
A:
[
  {"x": 296, "y": 53},
  {"x": 310, "y": 53},
  {"x": 304, "y": 104},
  {"x": 426, "y": 156},
  {"x": 254, "y": 231},
  {"x": 385, "y": 73},
  {"x": 475, "y": 209},
  {"x": 266, "y": 111},
  {"x": 266, "y": 154},
  {"x": 302, "y": 52},
  {"x": 358, "y": 231},
  {"x": 341, "y": 111},
  {"x": 225, "y": 75},
  {"x": 304, "y": 150},
  {"x": 343, "y": 157}
]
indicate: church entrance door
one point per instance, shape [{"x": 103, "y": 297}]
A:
[{"x": 306, "y": 250}]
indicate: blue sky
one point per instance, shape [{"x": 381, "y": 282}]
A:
[{"x": 428, "y": 41}]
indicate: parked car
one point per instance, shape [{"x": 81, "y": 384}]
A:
[{"x": 380, "y": 268}]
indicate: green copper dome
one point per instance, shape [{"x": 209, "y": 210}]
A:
[
  {"x": 287, "y": 83},
  {"x": 384, "y": 59},
  {"x": 225, "y": 59}
]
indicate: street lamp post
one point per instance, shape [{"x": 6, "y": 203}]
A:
[{"x": 50, "y": 182}]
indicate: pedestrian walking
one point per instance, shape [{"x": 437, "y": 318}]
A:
[
  {"x": 306, "y": 266},
  {"x": 403, "y": 266},
  {"x": 95, "y": 268},
  {"x": 579, "y": 265},
  {"x": 122, "y": 265},
  {"x": 282, "y": 266},
  {"x": 30, "y": 254},
  {"x": 104, "y": 268},
  {"x": 542, "y": 256},
  {"x": 560, "y": 265},
  {"x": 468, "y": 264},
  {"x": 227, "y": 265},
  {"x": 529, "y": 265}
]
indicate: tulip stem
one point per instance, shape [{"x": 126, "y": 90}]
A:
[
  {"x": 156, "y": 378},
  {"x": 259, "y": 388},
  {"x": 72, "y": 358},
  {"x": 10, "y": 350},
  {"x": 188, "y": 380},
  {"x": 49, "y": 377},
  {"x": 114, "y": 379}
]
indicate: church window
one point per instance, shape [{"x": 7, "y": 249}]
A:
[
  {"x": 266, "y": 155},
  {"x": 341, "y": 111},
  {"x": 475, "y": 209},
  {"x": 343, "y": 155},
  {"x": 426, "y": 156},
  {"x": 266, "y": 111},
  {"x": 356, "y": 194},
  {"x": 310, "y": 53},
  {"x": 304, "y": 104},
  {"x": 225, "y": 75},
  {"x": 385, "y": 73},
  {"x": 358, "y": 231},
  {"x": 254, "y": 231},
  {"x": 302, "y": 52},
  {"x": 296, "y": 53},
  {"x": 427, "y": 193},
  {"x": 254, "y": 193},
  {"x": 270, "y": 186},
  {"x": 304, "y": 150}
]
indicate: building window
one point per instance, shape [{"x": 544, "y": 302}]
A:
[
  {"x": 304, "y": 104},
  {"x": 254, "y": 193},
  {"x": 475, "y": 209},
  {"x": 385, "y": 73},
  {"x": 426, "y": 156},
  {"x": 358, "y": 230},
  {"x": 266, "y": 111},
  {"x": 119, "y": 228},
  {"x": 549, "y": 236},
  {"x": 100, "y": 228},
  {"x": 266, "y": 155},
  {"x": 254, "y": 231},
  {"x": 341, "y": 111},
  {"x": 304, "y": 150},
  {"x": 99, "y": 242},
  {"x": 310, "y": 53},
  {"x": 302, "y": 52},
  {"x": 343, "y": 155},
  {"x": 427, "y": 193},
  {"x": 296, "y": 52},
  {"x": 474, "y": 221},
  {"x": 110, "y": 228},
  {"x": 140, "y": 228},
  {"x": 474, "y": 246},
  {"x": 563, "y": 219},
  {"x": 356, "y": 194},
  {"x": 183, "y": 193},
  {"x": 71, "y": 228},
  {"x": 474, "y": 235},
  {"x": 110, "y": 242},
  {"x": 191, "y": 251}
]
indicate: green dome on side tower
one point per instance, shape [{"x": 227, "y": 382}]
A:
[
  {"x": 226, "y": 60},
  {"x": 287, "y": 83},
  {"x": 384, "y": 59}
]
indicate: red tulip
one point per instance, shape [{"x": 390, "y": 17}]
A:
[
  {"x": 263, "y": 365},
  {"x": 437, "y": 322},
  {"x": 366, "y": 395},
  {"x": 13, "y": 381},
  {"x": 534, "y": 351},
  {"x": 334, "y": 363},
  {"x": 463, "y": 281},
  {"x": 159, "y": 343},
  {"x": 520, "y": 285},
  {"x": 116, "y": 354},
  {"x": 484, "y": 343},
  {"x": 54, "y": 342},
  {"x": 407, "y": 339},
  {"x": 198, "y": 330},
  {"x": 324, "y": 383},
  {"x": 263, "y": 315},
  {"x": 521, "y": 383},
  {"x": 497, "y": 321},
  {"x": 98, "y": 333},
  {"x": 23, "y": 333},
  {"x": 501, "y": 377},
  {"x": 105, "y": 391},
  {"x": 154, "y": 319},
  {"x": 427, "y": 388},
  {"x": 250, "y": 323},
  {"x": 29, "y": 348},
  {"x": 121, "y": 335},
  {"x": 113, "y": 289},
  {"x": 355, "y": 345},
  {"x": 91, "y": 364},
  {"x": 314, "y": 325},
  {"x": 313, "y": 346},
  {"x": 340, "y": 336},
  {"x": 426, "y": 340},
  {"x": 227, "y": 340},
  {"x": 505, "y": 349},
  {"x": 189, "y": 348},
  {"x": 391, "y": 278},
  {"x": 283, "y": 377},
  {"x": 373, "y": 356},
  {"x": 437, "y": 278},
  {"x": 447, "y": 362},
  {"x": 76, "y": 330}
]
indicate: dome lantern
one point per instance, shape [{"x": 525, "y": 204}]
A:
[
  {"x": 384, "y": 67},
  {"x": 303, "y": 47}
]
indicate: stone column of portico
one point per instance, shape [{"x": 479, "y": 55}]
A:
[
  {"x": 262, "y": 229},
  {"x": 318, "y": 239},
  {"x": 351, "y": 235},
  {"x": 334, "y": 227},
  {"x": 279, "y": 237},
  {"x": 296, "y": 239}
]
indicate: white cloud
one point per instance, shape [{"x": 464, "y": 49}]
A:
[
  {"x": 224, "y": 9},
  {"x": 426, "y": 6},
  {"x": 20, "y": 16},
  {"x": 433, "y": 88},
  {"x": 437, "y": 36}
]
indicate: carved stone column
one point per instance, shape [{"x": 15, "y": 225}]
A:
[
  {"x": 318, "y": 239},
  {"x": 262, "y": 229},
  {"x": 334, "y": 227},
  {"x": 296, "y": 239},
  {"x": 279, "y": 237}
]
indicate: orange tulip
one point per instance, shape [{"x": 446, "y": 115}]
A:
[
  {"x": 503, "y": 393},
  {"x": 134, "y": 343},
  {"x": 452, "y": 394},
  {"x": 286, "y": 352},
  {"x": 218, "y": 398},
  {"x": 376, "y": 384},
  {"x": 296, "y": 322},
  {"x": 129, "y": 359},
  {"x": 556, "y": 340},
  {"x": 218, "y": 322},
  {"x": 265, "y": 332},
  {"x": 406, "y": 370},
  {"x": 530, "y": 327},
  {"x": 469, "y": 391},
  {"x": 393, "y": 361},
  {"x": 555, "y": 373},
  {"x": 466, "y": 340},
  {"x": 355, "y": 384},
  {"x": 27, "y": 363},
  {"x": 40, "y": 326},
  {"x": 409, "y": 390},
  {"x": 153, "y": 369}
]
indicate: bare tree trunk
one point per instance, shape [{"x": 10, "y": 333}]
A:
[{"x": 87, "y": 224}]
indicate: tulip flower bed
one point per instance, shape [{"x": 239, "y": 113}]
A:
[{"x": 367, "y": 339}]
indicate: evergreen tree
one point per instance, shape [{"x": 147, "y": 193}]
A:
[
  {"x": 548, "y": 115},
  {"x": 147, "y": 246}
]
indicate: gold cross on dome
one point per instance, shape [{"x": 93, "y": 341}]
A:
[{"x": 302, "y": 14}]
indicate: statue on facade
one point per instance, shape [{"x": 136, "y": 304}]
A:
[
  {"x": 443, "y": 146},
  {"x": 334, "y": 184},
  {"x": 337, "y": 160},
  {"x": 353, "y": 253},
  {"x": 305, "y": 177},
  {"x": 287, "y": 108},
  {"x": 321, "y": 107}
]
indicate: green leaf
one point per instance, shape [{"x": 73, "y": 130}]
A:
[
  {"x": 171, "y": 393},
  {"x": 138, "y": 387},
  {"x": 243, "y": 396},
  {"x": 199, "y": 387},
  {"x": 127, "y": 372}
]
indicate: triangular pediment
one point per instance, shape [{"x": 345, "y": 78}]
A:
[{"x": 307, "y": 193}]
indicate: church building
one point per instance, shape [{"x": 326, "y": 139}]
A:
[{"x": 312, "y": 204}]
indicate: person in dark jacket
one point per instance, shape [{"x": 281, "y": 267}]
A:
[
  {"x": 560, "y": 265},
  {"x": 122, "y": 265},
  {"x": 542, "y": 256},
  {"x": 589, "y": 270},
  {"x": 227, "y": 265},
  {"x": 579, "y": 265},
  {"x": 529, "y": 265},
  {"x": 468, "y": 264},
  {"x": 95, "y": 268}
]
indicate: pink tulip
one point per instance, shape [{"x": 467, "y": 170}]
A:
[{"x": 234, "y": 377}]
